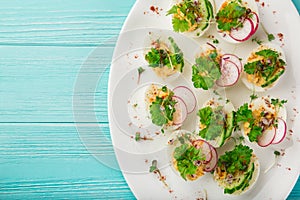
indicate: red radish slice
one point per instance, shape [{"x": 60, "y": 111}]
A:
[
  {"x": 255, "y": 21},
  {"x": 213, "y": 162},
  {"x": 181, "y": 111},
  {"x": 267, "y": 137},
  {"x": 230, "y": 74},
  {"x": 280, "y": 131},
  {"x": 233, "y": 58},
  {"x": 244, "y": 33},
  {"x": 205, "y": 147},
  {"x": 187, "y": 96}
]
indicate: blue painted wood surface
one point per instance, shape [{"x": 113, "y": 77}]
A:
[{"x": 43, "y": 44}]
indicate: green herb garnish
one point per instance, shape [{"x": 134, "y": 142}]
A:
[
  {"x": 230, "y": 16},
  {"x": 213, "y": 120},
  {"x": 278, "y": 103},
  {"x": 236, "y": 160},
  {"x": 267, "y": 67},
  {"x": 162, "y": 109},
  {"x": 190, "y": 15},
  {"x": 258, "y": 41},
  {"x": 206, "y": 71},
  {"x": 271, "y": 37},
  {"x": 160, "y": 56},
  {"x": 244, "y": 114},
  {"x": 186, "y": 157}
]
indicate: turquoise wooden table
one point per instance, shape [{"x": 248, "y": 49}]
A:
[{"x": 43, "y": 46}]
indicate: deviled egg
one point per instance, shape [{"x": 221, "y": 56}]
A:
[
  {"x": 263, "y": 121},
  {"x": 213, "y": 67},
  {"x": 165, "y": 109},
  {"x": 192, "y": 17},
  {"x": 237, "y": 170},
  {"x": 165, "y": 57},
  {"x": 237, "y": 20},
  {"x": 264, "y": 67},
  {"x": 191, "y": 157}
]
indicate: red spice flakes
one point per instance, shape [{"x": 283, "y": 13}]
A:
[
  {"x": 146, "y": 160},
  {"x": 130, "y": 124},
  {"x": 171, "y": 191},
  {"x": 136, "y": 56},
  {"x": 291, "y": 131},
  {"x": 274, "y": 12},
  {"x": 155, "y": 9},
  {"x": 162, "y": 178},
  {"x": 280, "y": 36},
  {"x": 256, "y": 0},
  {"x": 288, "y": 168},
  {"x": 262, "y": 4}
]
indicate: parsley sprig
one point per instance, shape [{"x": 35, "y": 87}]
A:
[
  {"x": 236, "y": 160},
  {"x": 162, "y": 109},
  {"x": 206, "y": 71},
  {"x": 186, "y": 157},
  {"x": 244, "y": 114},
  {"x": 231, "y": 15},
  {"x": 160, "y": 56},
  {"x": 213, "y": 120}
]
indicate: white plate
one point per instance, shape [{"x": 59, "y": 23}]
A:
[{"x": 135, "y": 158}]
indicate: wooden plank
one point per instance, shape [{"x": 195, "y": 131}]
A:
[
  {"x": 57, "y": 23},
  {"x": 37, "y": 83},
  {"x": 51, "y": 161}
]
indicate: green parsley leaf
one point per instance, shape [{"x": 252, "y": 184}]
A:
[
  {"x": 236, "y": 160},
  {"x": 180, "y": 25},
  {"x": 186, "y": 155},
  {"x": 214, "y": 120},
  {"x": 244, "y": 114},
  {"x": 162, "y": 109},
  {"x": 254, "y": 133},
  {"x": 140, "y": 70},
  {"x": 157, "y": 115},
  {"x": 205, "y": 72},
  {"x": 271, "y": 37},
  {"x": 229, "y": 16}
]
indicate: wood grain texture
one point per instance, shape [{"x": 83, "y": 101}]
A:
[{"x": 43, "y": 46}]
